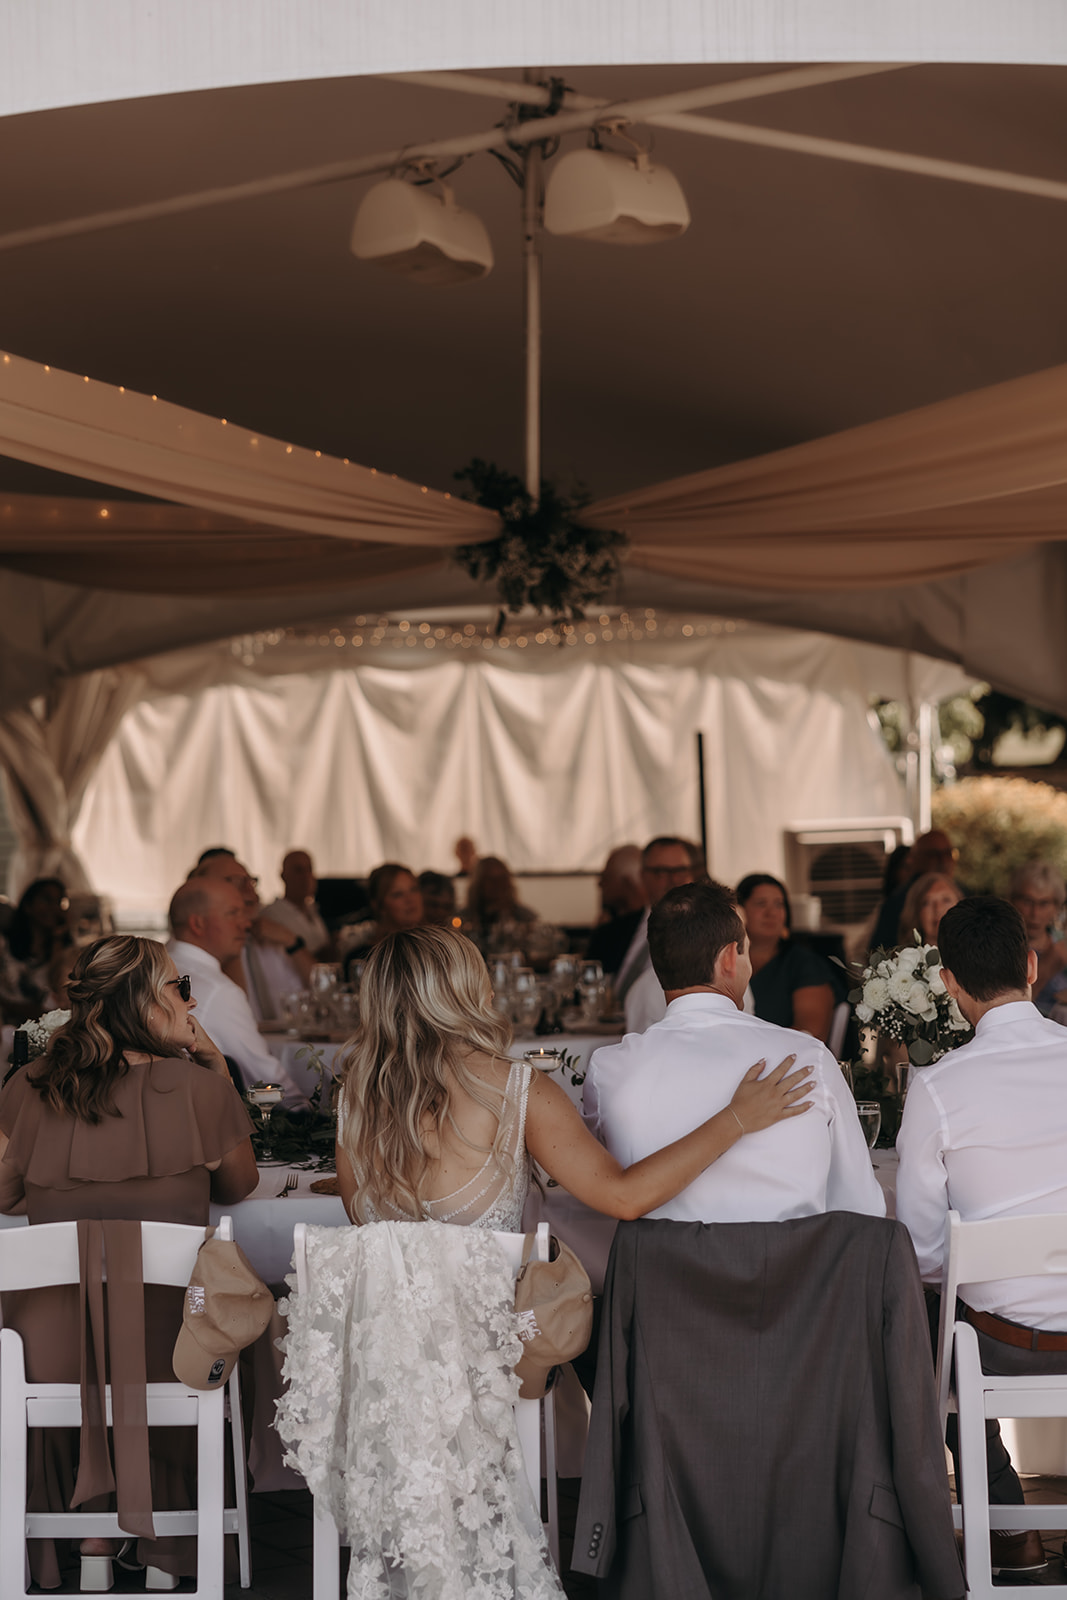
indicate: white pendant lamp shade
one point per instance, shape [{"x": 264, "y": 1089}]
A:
[
  {"x": 415, "y": 233},
  {"x": 600, "y": 195}
]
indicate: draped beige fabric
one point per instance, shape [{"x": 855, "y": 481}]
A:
[
  {"x": 935, "y": 492},
  {"x": 941, "y": 490},
  {"x": 48, "y": 754},
  {"x": 94, "y": 430}
]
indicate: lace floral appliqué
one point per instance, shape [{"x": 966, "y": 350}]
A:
[{"x": 400, "y": 1412}]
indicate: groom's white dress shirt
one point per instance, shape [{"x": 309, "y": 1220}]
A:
[
  {"x": 656, "y": 1086},
  {"x": 984, "y": 1133},
  {"x": 223, "y": 1012}
]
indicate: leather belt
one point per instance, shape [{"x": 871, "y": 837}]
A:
[{"x": 1014, "y": 1333}]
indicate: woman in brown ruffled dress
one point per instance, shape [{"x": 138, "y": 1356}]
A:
[{"x": 130, "y": 1115}]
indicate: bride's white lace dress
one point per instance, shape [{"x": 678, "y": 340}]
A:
[{"x": 400, "y": 1406}]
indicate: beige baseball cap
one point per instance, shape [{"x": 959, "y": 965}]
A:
[{"x": 227, "y": 1307}]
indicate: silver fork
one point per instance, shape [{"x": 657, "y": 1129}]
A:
[{"x": 287, "y": 1188}]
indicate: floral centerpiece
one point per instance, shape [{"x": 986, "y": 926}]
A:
[{"x": 903, "y": 995}]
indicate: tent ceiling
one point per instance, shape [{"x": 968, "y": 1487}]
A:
[{"x": 808, "y": 296}]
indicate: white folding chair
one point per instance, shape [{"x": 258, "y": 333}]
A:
[
  {"x": 529, "y": 1415},
  {"x": 976, "y": 1252},
  {"x": 47, "y": 1254}
]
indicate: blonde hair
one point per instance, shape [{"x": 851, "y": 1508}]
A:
[
  {"x": 112, "y": 988},
  {"x": 425, "y": 1006}
]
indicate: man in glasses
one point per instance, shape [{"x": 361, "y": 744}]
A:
[{"x": 666, "y": 862}]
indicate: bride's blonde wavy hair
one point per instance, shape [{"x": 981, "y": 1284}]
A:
[
  {"x": 112, "y": 988},
  {"x": 425, "y": 1006}
]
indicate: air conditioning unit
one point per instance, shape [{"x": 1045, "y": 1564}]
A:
[{"x": 842, "y": 863}]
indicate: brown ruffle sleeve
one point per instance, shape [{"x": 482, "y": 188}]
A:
[{"x": 170, "y": 1116}]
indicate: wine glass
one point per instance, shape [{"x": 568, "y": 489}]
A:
[
  {"x": 265, "y": 1096},
  {"x": 870, "y": 1115}
]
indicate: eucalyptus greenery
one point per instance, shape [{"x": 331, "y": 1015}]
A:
[{"x": 545, "y": 556}]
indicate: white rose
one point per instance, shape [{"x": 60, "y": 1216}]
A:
[
  {"x": 934, "y": 981},
  {"x": 875, "y": 995},
  {"x": 864, "y": 1013},
  {"x": 909, "y": 959},
  {"x": 900, "y": 986}
]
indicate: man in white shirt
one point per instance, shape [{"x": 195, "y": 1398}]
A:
[
  {"x": 984, "y": 1133},
  {"x": 654, "y": 1087},
  {"x": 273, "y": 962},
  {"x": 209, "y": 924},
  {"x": 665, "y": 863},
  {"x": 297, "y": 910}
]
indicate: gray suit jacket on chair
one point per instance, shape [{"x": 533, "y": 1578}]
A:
[{"x": 764, "y": 1423}]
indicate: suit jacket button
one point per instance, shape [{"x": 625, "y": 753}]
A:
[
  {"x": 592, "y": 1552},
  {"x": 598, "y": 1527}
]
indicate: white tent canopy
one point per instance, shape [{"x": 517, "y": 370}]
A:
[
  {"x": 833, "y": 405},
  {"x": 58, "y": 53}
]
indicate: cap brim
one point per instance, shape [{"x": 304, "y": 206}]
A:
[{"x": 199, "y": 1368}]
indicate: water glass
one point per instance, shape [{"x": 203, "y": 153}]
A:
[
  {"x": 846, "y": 1073},
  {"x": 265, "y": 1096},
  {"x": 870, "y": 1115},
  {"x": 591, "y": 972}
]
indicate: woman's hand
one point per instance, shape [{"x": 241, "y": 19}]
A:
[
  {"x": 205, "y": 1052},
  {"x": 761, "y": 1102}
]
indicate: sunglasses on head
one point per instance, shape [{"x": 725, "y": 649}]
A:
[{"x": 184, "y": 985}]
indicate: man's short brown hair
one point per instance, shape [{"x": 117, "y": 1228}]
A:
[{"x": 688, "y": 928}]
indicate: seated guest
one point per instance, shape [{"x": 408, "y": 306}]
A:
[
  {"x": 1037, "y": 892},
  {"x": 790, "y": 982},
  {"x": 493, "y": 903},
  {"x": 656, "y": 1086},
  {"x": 927, "y": 901},
  {"x": 623, "y": 898},
  {"x": 931, "y": 852},
  {"x": 983, "y": 1133},
  {"x": 297, "y": 911},
  {"x": 438, "y": 900},
  {"x": 396, "y": 903},
  {"x": 130, "y": 1114},
  {"x": 665, "y": 863},
  {"x": 209, "y": 924},
  {"x": 274, "y": 962},
  {"x": 38, "y": 932}
]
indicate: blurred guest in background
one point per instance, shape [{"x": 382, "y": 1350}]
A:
[
  {"x": 926, "y": 903},
  {"x": 493, "y": 903},
  {"x": 209, "y": 922},
  {"x": 467, "y": 856},
  {"x": 1037, "y": 892},
  {"x": 931, "y": 852},
  {"x": 296, "y": 910},
  {"x": 396, "y": 903},
  {"x": 438, "y": 900},
  {"x": 274, "y": 961},
  {"x": 791, "y": 984},
  {"x": 37, "y": 934},
  {"x": 666, "y": 863},
  {"x": 623, "y": 899}
]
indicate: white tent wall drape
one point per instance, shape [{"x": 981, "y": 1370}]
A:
[
  {"x": 548, "y": 760},
  {"x": 49, "y": 751},
  {"x": 61, "y": 52}
]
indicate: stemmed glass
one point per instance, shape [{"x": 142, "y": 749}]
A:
[
  {"x": 265, "y": 1096},
  {"x": 870, "y": 1115}
]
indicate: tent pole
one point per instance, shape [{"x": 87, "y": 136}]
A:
[
  {"x": 532, "y": 213},
  {"x": 703, "y": 801}
]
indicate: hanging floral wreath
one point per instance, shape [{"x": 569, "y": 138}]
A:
[{"x": 544, "y": 557}]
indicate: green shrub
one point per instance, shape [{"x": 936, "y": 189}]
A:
[{"x": 999, "y": 824}]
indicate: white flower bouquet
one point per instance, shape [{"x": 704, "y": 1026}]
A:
[
  {"x": 903, "y": 995},
  {"x": 39, "y": 1032}
]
